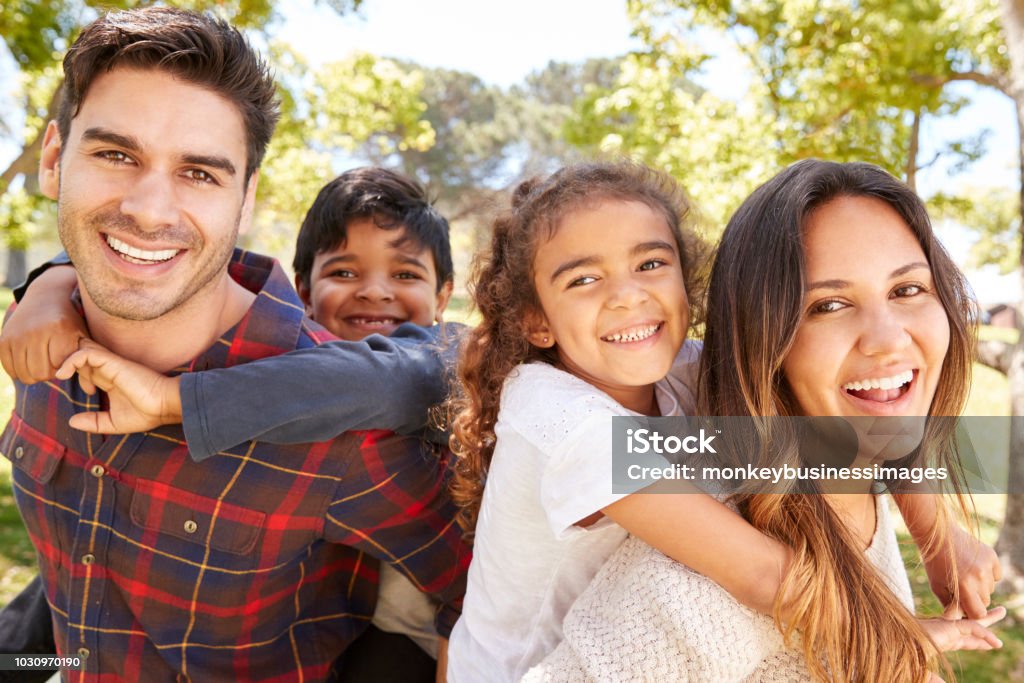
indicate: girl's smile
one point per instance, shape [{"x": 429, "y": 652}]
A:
[{"x": 613, "y": 300}]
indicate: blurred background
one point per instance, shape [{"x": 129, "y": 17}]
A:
[{"x": 469, "y": 97}]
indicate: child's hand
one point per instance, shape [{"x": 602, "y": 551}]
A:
[
  {"x": 140, "y": 399},
  {"x": 978, "y": 571},
  {"x": 44, "y": 329},
  {"x": 964, "y": 634}
]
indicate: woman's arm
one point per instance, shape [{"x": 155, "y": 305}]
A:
[{"x": 977, "y": 565}]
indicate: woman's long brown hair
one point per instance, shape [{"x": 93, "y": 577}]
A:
[
  {"x": 503, "y": 292},
  {"x": 852, "y": 626}
]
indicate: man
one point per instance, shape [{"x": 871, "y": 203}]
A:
[{"x": 249, "y": 565}]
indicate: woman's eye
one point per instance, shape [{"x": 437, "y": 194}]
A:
[
  {"x": 829, "y": 306},
  {"x": 583, "y": 280},
  {"x": 651, "y": 264},
  {"x": 908, "y": 290}
]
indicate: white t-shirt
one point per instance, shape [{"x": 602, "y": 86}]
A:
[
  {"x": 648, "y": 618},
  {"x": 551, "y": 468}
]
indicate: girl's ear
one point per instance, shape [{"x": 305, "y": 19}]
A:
[{"x": 538, "y": 332}]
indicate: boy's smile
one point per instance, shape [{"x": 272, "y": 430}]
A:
[{"x": 373, "y": 282}]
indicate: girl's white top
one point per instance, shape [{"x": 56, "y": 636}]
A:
[
  {"x": 648, "y": 618},
  {"x": 552, "y": 467}
]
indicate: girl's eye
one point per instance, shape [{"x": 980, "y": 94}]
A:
[
  {"x": 200, "y": 177},
  {"x": 828, "y": 306},
  {"x": 407, "y": 275},
  {"x": 651, "y": 264},
  {"x": 908, "y": 290},
  {"x": 582, "y": 280}
]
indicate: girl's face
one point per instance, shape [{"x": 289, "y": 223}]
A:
[
  {"x": 611, "y": 291},
  {"x": 874, "y": 334}
]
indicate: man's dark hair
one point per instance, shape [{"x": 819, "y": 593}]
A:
[
  {"x": 197, "y": 48},
  {"x": 391, "y": 200}
]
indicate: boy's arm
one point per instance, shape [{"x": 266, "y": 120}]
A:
[
  {"x": 316, "y": 394},
  {"x": 705, "y": 535},
  {"x": 44, "y": 328},
  {"x": 977, "y": 565}
]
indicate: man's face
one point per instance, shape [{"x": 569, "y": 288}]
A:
[{"x": 150, "y": 189}]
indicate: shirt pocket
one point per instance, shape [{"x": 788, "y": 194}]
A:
[
  {"x": 31, "y": 451},
  {"x": 231, "y": 532}
]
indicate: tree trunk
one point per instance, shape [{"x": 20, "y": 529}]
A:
[
  {"x": 17, "y": 267},
  {"x": 1011, "y": 539}
]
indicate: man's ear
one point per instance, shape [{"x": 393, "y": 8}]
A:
[
  {"x": 49, "y": 162},
  {"x": 249, "y": 203},
  {"x": 538, "y": 331},
  {"x": 443, "y": 297},
  {"x": 305, "y": 293}
]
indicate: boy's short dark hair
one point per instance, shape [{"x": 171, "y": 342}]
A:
[
  {"x": 198, "y": 48},
  {"x": 392, "y": 200}
]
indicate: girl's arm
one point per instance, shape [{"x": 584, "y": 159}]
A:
[
  {"x": 977, "y": 565},
  {"x": 705, "y": 535}
]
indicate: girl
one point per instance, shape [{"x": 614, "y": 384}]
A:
[
  {"x": 585, "y": 305},
  {"x": 859, "y": 290}
]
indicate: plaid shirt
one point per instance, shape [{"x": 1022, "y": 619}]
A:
[{"x": 258, "y": 564}]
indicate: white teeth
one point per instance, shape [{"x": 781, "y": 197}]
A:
[
  {"x": 374, "y": 321},
  {"x": 893, "y": 382},
  {"x": 138, "y": 255},
  {"x": 633, "y": 334}
]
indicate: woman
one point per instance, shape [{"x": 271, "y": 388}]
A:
[{"x": 858, "y": 311}]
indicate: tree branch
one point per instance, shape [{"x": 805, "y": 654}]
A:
[
  {"x": 998, "y": 81},
  {"x": 995, "y": 354}
]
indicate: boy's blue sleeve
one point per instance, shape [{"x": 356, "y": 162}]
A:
[
  {"x": 61, "y": 259},
  {"x": 316, "y": 394}
]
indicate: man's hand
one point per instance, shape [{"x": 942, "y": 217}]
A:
[
  {"x": 44, "y": 329},
  {"x": 964, "y": 634},
  {"x": 140, "y": 399},
  {"x": 978, "y": 571}
]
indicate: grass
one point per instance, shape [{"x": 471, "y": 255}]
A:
[{"x": 989, "y": 396}]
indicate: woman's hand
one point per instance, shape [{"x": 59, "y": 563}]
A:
[{"x": 964, "y": 634}]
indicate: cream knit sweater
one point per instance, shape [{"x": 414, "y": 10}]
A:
[{"x": 648, "y": 618}]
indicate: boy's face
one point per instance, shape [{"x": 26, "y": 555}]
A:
[{"x": 373, "y": 283}]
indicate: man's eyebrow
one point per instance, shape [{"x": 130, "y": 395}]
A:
[
  {"x": 103, "y": 135},
  {"x": 840, "y": 284},
  {"x": 211, "y": 161},
  {"x": 575, "y": 263}
]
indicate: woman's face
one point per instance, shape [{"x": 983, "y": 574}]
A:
[{"x": 874, "y": 334}]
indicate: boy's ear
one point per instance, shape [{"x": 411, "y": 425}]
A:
[
  {"x": 538, "y": 331},
  {"x": 443, "y": 297},
  {"x": 305, "y": 293},
  {"x": 49, "y": 162}
]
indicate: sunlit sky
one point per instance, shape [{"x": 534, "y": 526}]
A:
[{"x": 502, "y": 42}]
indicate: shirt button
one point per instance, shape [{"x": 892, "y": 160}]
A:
[
  {"x": 191, "y": 526},
  {"x": 19, "y": 452},
  {"x": 97, "y": 471},
  {"x": 88, "y": 558},
  {"x": 83, "y": 652}
]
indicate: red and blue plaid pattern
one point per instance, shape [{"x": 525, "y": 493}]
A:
[{"x": 258, "y": 564}]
